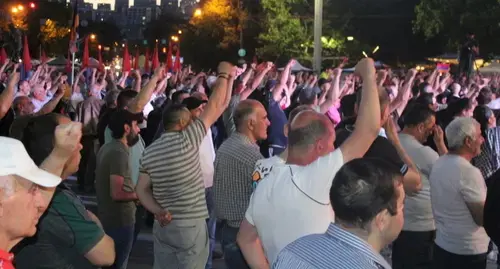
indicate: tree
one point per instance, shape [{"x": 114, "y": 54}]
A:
[
  {"x": 452, "y": 19},
  {"x": 283, "y": 34},
  {"x": 51, "y": 32}
]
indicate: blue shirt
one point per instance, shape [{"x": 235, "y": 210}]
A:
[{"x": 335, "y": 249}]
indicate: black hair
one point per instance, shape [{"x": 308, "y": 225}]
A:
[
  {"x": 120, "y": 118},
  {"x": 482, "y": 115},
  {"x": 363, "y": 188},
  {"x": 417, "y": 114},
  {"x": 484, "y": 97},
  {"x": 38, "y": 137},
  {"x": 425, "y": 99},
  {"x": 177, "y": 95},
  {"x": 124, "y": 98},
  {"x": 172, "y": 114},
  {"x": 347, "y": 104}
]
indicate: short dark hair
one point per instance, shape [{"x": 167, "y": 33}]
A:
[
  {"x": 244, "y": 109},
  {"x": 417, "y": 114},
  {"x": 362, "y": 188},
  {"x": 176, "y": 96},
  {"x": 125, "y": 97},
  {"x": 484, "y": 97},
  {"x": 308, "y": 134},
  {"x": 120, "y": 118},
  {"x": 38, "y": 136},
  {"x": 172, "y": 114},
  {"x": 425, "y": 99}
]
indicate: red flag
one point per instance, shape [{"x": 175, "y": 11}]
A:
[
  {"x": 3, "y": 55},
  {"x": 86, "y": 56},
  {"x": 44, "y": 57},
  {"x": 126, "y": 60},
  {"x": 136, "y": 59},
  {"x": 156, "y": 61},
  {"x": 101, "y": 63},
  {"x": 26, "y": 55},
  {"x": 74, "y": 26},
  {"x": 169, "y": 57},
  {"x": 177, "y": 64},
  {"x": 146, "y": 63}
]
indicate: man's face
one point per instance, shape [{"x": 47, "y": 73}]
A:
[
  {"x": 27, "y": 107},
  {"x": 24, "y": 87},
  {"x": 476, "y": 142},
  {"x": 39, "y": 93},
  {"x": 395, "y": 223},
  {"x": 21, "y": 209},
  {"x": 260, "y": 122},
  {"x": 133, "y": 135},
  {"x": 426, "y": 128}
]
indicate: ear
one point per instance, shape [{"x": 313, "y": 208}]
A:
[
  {"x": 126, "y": 127},
  {"x": 381, "y": 221}
]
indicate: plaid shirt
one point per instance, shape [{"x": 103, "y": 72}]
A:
[
  {"x": 489, "y": 159},
  {"x": 234, "y": 164}
]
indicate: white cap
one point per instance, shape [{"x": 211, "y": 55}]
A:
[{"x": 14, "y": 160}]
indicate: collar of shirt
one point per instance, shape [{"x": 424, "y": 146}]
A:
[
  {"x": 245, "y": 139},
  {"x": 355, "y": 242},
  {"x": 382, "y": 133},
  {"x": 6, "y": 259}
]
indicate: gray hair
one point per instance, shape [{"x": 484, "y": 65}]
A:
[
  {"x": 459, "y": 129},
  {"x": 7, "y": 186}
]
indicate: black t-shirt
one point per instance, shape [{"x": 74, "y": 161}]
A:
[
  {"x": 6, "y": 122},
  {"x": 381, "y": 148}
]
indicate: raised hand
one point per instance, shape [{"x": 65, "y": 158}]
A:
[
  {"x": 365, "y": 68},
  {"x": 67, "y": 139}
]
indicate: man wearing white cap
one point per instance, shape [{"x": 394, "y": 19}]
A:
[{"x": 26, "y": 190}]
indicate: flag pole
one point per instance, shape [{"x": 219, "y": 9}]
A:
[{"x": 72, "y": 69}]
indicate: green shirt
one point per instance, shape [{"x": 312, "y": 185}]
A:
[
  {"x": 113, "y": 159},
  {"x": 65, "y": 234}
]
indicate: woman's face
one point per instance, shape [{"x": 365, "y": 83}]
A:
[
  {"x": 73, "y": 162},
  {"x": 492, "y": 121}
]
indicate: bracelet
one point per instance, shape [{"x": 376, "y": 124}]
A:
[{"x": 226, "y": 76}]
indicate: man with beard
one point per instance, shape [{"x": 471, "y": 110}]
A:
[{"x": 114, "y": 187}]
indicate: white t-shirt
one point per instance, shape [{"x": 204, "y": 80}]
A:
[
  {"x": 418, "y": 208},
  {"x": 292, "y": 201},
  {"x": 207, "y": 158},
  {"x": 455, "y": 181}
]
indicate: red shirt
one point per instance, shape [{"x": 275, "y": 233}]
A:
[{"x": 6, "y": 260}]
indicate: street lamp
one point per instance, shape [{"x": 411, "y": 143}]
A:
[
  {"x": 92, "y": 37},
  {"x": 350, "y": 38},
  {"x": 14, "y": 10},
  {"x": 175, "y": 38},
  {"x": 180, "y": 32},
  {"x": 20, "y": 8},
  {"x": 197, "y": 12}
]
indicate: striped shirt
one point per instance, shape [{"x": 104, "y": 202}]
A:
[
  {"x": 335, "y": 249},
  {"x": 233, "y": 185},
  {"x": 173, "y": 164}
]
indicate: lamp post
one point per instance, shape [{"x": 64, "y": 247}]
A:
[{"x": 318, "y": 24}]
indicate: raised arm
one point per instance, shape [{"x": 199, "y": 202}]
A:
[
  {"x": 7, "y": 96},
  {"x": 368, "y": 120},
  {"x": 145, "y": 94},
  {"x": 332, "y": 93},
  {"x": 278, "y": 89},
  {"x": 219, "y": 100},
  {"x": 401, "y": 100}
]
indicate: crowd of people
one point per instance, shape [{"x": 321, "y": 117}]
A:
[{"x": 297, "y": 170}]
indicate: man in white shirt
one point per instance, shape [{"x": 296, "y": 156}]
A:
[
  {"x": 292, "y": 200},
  {"x": 458, "y": 193}
]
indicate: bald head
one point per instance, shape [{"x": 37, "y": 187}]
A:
[
  {"x": 307, "y": 128},
  {"x": 244, "y": 110}
]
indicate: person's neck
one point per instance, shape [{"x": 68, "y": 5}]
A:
[
  {"x": 248, "y": 134},
  {"x": 462, "y": 153},
  {"x": 299, "y": 157},
  {"x": 6, "y": 243},
  {"x": 124, "y": 141},
  {"x": 371, "y": 239},
  {"x": 411, "y": 132}
]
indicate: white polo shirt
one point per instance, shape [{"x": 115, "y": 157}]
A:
[
  {"x": 455, "y": 181},
  {"x": 292, "y": 201}
]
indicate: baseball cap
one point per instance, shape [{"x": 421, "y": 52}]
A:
[
  {"x": 193, "y": 102},
  {"x": 14, "y": 160}
]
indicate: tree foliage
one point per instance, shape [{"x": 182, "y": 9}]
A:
[
  {"x": 452, "y": 19},
  {"x": 52, "y": 32},
  {"x": 283, "y": 33},
  {"x": 221, "y": 20}
]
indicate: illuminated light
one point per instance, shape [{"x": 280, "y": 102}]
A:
[
  {"x": 117, "y": 67},
  {"x": 123, "y": 45},
  {"x": 197, "y": 12},
  {"x": 376, "y": 49},
  {"x": 180, "y": 32},
  {"x": 20, "y": 8},
  {"x": 92, "y": 36},
  {"x": 14, "y": 10},
  {"x": 32, "y": 5},
  {"x": 350, "y": 38},
  {"x": 164, "y": 50},
  {"x": 99, "y": 47},
  {"x": 364, "y": 53}
]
